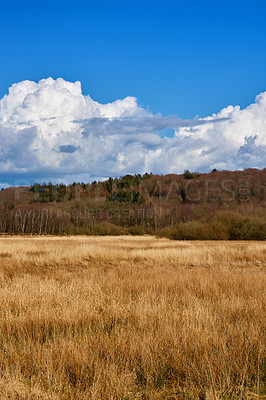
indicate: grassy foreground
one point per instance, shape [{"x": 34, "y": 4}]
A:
[{"x": 131, "y": 318}]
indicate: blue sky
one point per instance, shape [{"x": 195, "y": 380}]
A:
[
  {"x": 172, "y": 63},
  {"x": 177, "y": 57}
]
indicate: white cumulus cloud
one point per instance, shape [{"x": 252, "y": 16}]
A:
[{"x": 50, "y": 131}]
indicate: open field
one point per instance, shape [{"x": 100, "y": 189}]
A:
[{"x": 131, "y": 318}]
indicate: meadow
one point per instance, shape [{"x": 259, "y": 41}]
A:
[{"x": 123, "y": 318}]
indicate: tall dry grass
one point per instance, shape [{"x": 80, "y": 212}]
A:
[{"x": 131, "y": 318}]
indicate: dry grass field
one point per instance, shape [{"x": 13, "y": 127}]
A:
[{"x": 131, "y": 318}]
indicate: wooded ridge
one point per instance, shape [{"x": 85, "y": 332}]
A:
[{"x": 217, "y": 205}]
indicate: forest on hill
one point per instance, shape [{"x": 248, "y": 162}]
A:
[{"x": 216, "y": 205}]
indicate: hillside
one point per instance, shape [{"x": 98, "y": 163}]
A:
[{"x": 217, "y": 205}]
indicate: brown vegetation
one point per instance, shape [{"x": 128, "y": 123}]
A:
[
  {"x": 131, "y": 318},
  {"x": 219, "y": 205}
]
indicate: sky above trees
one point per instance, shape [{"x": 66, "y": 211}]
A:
[{"x": 152, "y": 75}]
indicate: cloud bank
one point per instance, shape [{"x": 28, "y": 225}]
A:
[{"x": 50, "y": 131}]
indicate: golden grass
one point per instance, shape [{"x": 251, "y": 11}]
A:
[{"x": 131, "y": 318}]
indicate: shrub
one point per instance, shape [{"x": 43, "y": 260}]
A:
[
  {"x": 191, "y": 230},
  {"x": 107, "y": 228},
  {"x": 241, "y": 227},
  {"x": 136, "y": 230},
  {"x": 188, "y": 174}
]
